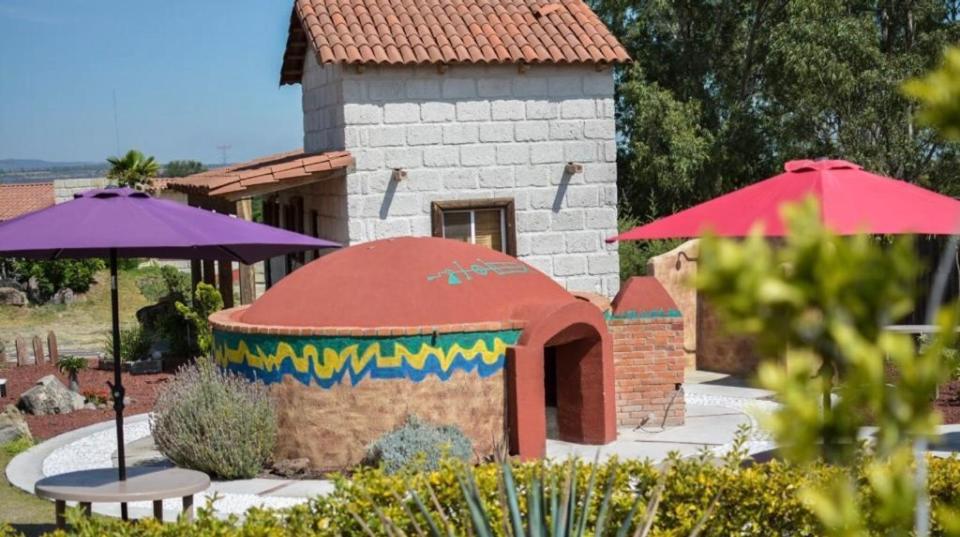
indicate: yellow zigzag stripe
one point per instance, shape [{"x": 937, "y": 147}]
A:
[{"x": 332, "y": 361}]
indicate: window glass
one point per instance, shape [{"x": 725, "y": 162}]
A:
[
  {"x": 456, "y": 226},
  {"x": 487, "y": 228}
]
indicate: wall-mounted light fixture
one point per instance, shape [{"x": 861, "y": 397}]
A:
[
  {"x": 399, "y": 174},
  {"x": 573, "y": 168}
]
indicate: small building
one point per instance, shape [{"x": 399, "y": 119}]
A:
[
  {"x": 457, "y": 334},
  {"x": 486, "y": 122},
  {"x": 21, "y": 198}
]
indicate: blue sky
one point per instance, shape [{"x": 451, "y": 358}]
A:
[{"x": 189, "y": 75}]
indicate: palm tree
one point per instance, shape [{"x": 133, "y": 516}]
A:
[{"x": 133, "y": 169}]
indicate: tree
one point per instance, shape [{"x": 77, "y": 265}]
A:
[
  {"x": 133, "y": 169},
  {"x": 721, "y": 93},
  {"x": 183, "y": 168}
]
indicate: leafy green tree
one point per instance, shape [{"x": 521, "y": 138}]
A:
[
  {"x": 133, "y": 169},
  {"x": 183, "y": 168},
  {"x": 721, "y": 93}
]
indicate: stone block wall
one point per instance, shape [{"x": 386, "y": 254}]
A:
[
  {"x": 474, "y": 133},
  {"x": 648, "y": 362},
  {"x": 64, "y": 189}
]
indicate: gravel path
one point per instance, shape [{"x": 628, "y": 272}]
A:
[{"x": 96, "y": 451}]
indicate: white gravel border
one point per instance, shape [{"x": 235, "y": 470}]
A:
[{"x": 96, "y": 451}]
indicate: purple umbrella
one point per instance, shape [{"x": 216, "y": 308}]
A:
[{"x": 121, "y": 222}]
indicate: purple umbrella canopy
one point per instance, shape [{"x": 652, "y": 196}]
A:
[
  {"x": 122, "y": 222},
  {"x": 136, "y": 225}
]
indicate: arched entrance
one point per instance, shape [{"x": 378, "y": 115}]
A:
[{"x": 575, "y": 338}]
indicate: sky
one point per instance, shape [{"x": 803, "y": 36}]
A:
[{"x": 189, "y": 75}]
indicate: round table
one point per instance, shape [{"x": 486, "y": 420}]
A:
[{"x": 101, "y": 485}]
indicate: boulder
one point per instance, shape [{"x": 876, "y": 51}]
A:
[
  {"x": 10, "y": 296},
  {"x": 12, "y": 425},
  {"x": 50, "y": 396},
  {"x": 292, "y": 467},
  {"x": 64, "y": 296}
]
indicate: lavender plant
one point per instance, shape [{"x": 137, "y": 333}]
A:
[{"x": 214, "y": 421}]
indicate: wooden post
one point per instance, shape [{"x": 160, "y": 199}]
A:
[
  {"x": 209, "y": 272},
  {"x": 38, "y": 357},
  {"x": 248, "y": 291},
  {"x": 52, "y": 347},
  {"x": 225, "y": 281},
  {"x": 21, "y": 346},
  {"x": 196, "y": 275}
]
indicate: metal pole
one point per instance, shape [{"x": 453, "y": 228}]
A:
[
  {"x": 116, "y": 387},
  {"x": 921, "y": 521}
]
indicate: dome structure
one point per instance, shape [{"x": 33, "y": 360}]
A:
[
  {"x": 406, "y": 281},
  {"x": 457, "y": 334}
]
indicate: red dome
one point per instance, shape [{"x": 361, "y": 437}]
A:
[{"x": 405, "y": 281}]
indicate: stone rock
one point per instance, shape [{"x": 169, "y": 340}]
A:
[
  {"x": 10, "y": 296},
  {"x": 7, "y": 282},
  {"x": 292, "y": 467},
  {"x": 33, "y": 290},
  {"x": 12, "y": 425},
  {"x": 50, "y": 396},
  {"x": 64, "y": 296}
]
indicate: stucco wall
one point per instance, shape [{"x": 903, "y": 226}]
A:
[{"x": 478, "y": 132}]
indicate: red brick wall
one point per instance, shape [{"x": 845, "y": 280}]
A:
[{"x": 648, "y": 359}]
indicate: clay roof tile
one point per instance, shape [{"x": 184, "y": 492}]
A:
[{"x": 444, "y": 31}]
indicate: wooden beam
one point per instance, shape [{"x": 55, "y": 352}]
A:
[
  {"x": 209, "y": 272},
  {"x": 248, "y": 290},
  {"x": 225, "y": 281}
]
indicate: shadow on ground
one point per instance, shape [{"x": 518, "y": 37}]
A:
[{"x": 33, "y": 530}]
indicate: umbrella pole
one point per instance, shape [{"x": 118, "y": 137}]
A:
[{"x": 116, "y": 387}]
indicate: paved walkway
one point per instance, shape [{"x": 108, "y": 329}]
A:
[{"x": 717, "y": 406}]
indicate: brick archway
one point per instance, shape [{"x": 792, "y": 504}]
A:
[{"x": 586, "y": 410}]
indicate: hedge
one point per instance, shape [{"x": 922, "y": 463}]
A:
[{"x": 750, "y": 500}]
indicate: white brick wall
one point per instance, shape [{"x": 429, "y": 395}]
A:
[{"x": 476, "y": 132}]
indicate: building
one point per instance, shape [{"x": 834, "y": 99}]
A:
[
  {"x": 487, "y": 122},
  {"x": 21, "y": 198},
  {"x": 456, "y": 334}
]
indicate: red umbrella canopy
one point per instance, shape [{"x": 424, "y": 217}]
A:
[{"x": 851, "y": 201}]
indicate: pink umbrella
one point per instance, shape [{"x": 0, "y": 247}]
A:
[{"x": 851, "y": 201}]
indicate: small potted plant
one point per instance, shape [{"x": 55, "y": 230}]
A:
[{"x": 71, "y": 366}]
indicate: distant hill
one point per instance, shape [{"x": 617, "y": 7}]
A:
[{"x": 27, "y": 164}]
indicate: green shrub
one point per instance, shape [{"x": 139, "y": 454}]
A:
[
  {"x": 420, "y": 444},
  {"x": 165, "y": 282},
  {"x": 18, "y": 446},
  {"x": 214, "y": 421},
  {"x": 135, "y": 343},
  {"x": 206, "y": 300},
  {"x": 166, "y": 285},
  {"x": 720, "y": 500},
  {"x": 51, "y": 276}
]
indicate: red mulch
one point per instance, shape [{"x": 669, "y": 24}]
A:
[
  {"x": 141, "y": 389},
  {"x": 948, "y": 403}
]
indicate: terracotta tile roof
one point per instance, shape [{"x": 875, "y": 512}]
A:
[
  {"x": 21, "y": 198},
  {"x": 447, "y": 31},
  {"x": 270, "y": 169}
]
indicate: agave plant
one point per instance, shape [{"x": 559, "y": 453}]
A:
[
  {"x": 552, "y": 508},
  {"x": 71, "y": 366}
]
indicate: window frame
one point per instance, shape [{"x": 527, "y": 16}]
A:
[{"x": 505, "y": 205}]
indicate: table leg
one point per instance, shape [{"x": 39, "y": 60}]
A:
[
  {"x": 158, "y": 510},
  {"x": 87, "y": 510},
  {"x": 188, "y": 507},
  {"x": 124, "y": 515},
  {"x": 60, "y": 507}
]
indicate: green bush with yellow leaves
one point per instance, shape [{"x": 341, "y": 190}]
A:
[{"x": 680, "y": 497}]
